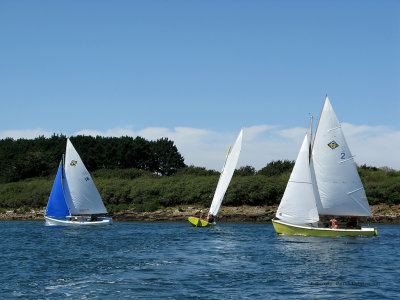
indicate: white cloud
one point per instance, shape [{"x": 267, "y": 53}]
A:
[
  {"x": 254, "y": 131},
  {"x": 296, "y": 133},
  {"x": 25, "y": 133},
  {"x": 371, "y": 145},
  {"x": 375, "y": 146},
  {"x": 117, "y": 132}
]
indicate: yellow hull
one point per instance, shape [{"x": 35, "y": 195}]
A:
[
  {"x": 198, "y": 222},
  {"x": 291, "y": 229}
]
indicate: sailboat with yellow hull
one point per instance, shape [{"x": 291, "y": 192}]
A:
[
  {"x": 231, "y": 160},
  {"x": 324, "y": 182},
  {"x": 282, "y": 227},
  {"x": 198, "y": 222}
]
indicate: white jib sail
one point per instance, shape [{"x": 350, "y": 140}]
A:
[
  {"x": 80, "y": 191},
  {"x": 226, "y": 175},
  {"x": 340, "y": 189},
  {"x": 298, "y": 202}
]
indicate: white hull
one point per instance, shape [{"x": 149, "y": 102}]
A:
[{"x": 79, "y": 221}]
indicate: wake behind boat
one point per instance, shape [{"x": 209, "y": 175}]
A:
[
  {"x": 232, "y": 157},
  {"x": 74, "y": 199},
  {"x": 324, "y": 181}
]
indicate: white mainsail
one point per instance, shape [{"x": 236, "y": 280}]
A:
[
  {"x": 298, "y": 202},
  {"x": 226, "y": 175},
  {"x": 81, "y": 193},
  {"x": 340, "y": 189}
]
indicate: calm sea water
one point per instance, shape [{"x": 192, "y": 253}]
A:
[{"x": 175, "y": 260}]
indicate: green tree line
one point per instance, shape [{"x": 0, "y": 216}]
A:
[
  {"x": 26, "y": 158},
  {"x": 144, "y": 190}
]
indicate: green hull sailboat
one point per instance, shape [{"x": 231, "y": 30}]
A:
[
  {"x": 231, "y": 160},
  {"x": 198, "y": 222},
  {"x": 291, "y": 229},
  {"x": 324, "y": 182}
]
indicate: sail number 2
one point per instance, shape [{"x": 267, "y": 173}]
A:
[{"x": 342, "y": 155}]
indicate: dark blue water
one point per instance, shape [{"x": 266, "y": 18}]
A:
[{"x": 175, "y": 260}]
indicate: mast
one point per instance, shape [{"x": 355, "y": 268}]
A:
[
  {"x": 82, "y": 196},
  {"x": 220, "y": 176},
  {"x": 326, "y": 97},
  {"x": 226, "y": 175},
  {"x": 62, "y": 171},
  {"x": 226, "y": 158},
  {"x": 309, "y": 147},
  {"x": 298, "y": 204}
]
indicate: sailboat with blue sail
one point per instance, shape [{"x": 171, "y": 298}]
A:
[{"x": 74, "y": 199}]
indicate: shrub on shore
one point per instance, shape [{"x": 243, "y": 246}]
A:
[{"x": 144, "y": 191}]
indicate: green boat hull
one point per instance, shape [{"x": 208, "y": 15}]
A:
[
  {"x": 198, "y": 222},
  {"x": 291, "y": 229}
]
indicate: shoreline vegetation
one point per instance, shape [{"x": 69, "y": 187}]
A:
[{"x": 142, "y": 180}]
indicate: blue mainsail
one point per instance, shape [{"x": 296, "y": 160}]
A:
[{"x": 57, "y": 207}]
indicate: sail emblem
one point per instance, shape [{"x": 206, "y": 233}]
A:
[
  {"x": 333, "y": 145},
  {"x": 73, "y": 163}
]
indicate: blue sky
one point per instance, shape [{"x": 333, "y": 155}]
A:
[{"x": 198, "y": 71}]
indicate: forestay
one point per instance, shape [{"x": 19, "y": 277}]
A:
[
  {"x": 340, "y": 189},
  {"x": 226, "y": 175},
  {"x": 298, "y": 203},
  {"x": 81, "y": 193}
]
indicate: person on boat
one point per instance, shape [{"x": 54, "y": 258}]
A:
[
  {"x": 352, "y": 223},
  {"x": 211, "y": 219},
  {"x": 198, "y": 214},
  {"x": 334, "y": 224},
  {"x": 93, "y": 218},
  {"x": 203, "y": 216}
]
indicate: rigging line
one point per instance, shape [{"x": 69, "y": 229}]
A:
[{"x": 316, "y": 129}]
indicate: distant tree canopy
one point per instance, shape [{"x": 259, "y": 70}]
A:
[
  {"x": 23, "y": 158},
  {"x": 126, "y": 172},
  {"x": 278, "y": 167},
  {"x": 245, "y": 171}
]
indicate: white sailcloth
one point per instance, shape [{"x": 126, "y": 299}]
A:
[
  {"x": 81, "y": 193},
  {"x": 298, "y": 202},
  {"x": 226, "y": 175},
  {"x": 340, "y": 189}
]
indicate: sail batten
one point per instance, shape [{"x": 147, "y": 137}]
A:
[
  {"x": 82, "y": 196},
  {"x": 349, "y": 193},
  {"x": 335, "y": 170},
  {"x": 324, "y": 182},
  {"x": 338, "y": 127}
]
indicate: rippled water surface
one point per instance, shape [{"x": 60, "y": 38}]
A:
[{"x": 175, "y": 260}]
